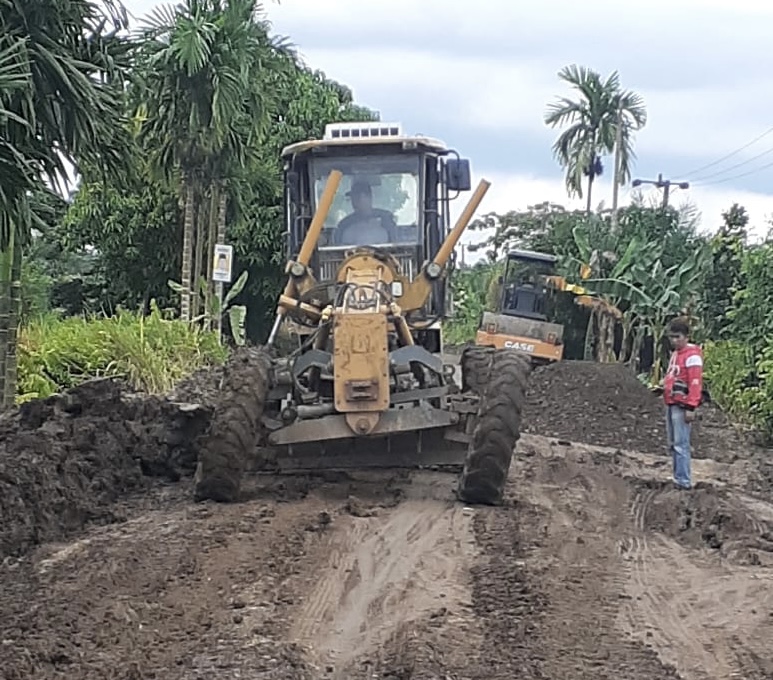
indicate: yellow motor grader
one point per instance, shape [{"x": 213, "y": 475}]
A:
[{"x": 352, "y": 374}]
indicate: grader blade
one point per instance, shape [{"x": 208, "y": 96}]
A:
[
  {"x": 414, "y": 437},
  {"x": 411, "y": 450}
]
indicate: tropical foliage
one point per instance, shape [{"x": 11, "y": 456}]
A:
[
  {"x": 175, "y": 133},
  {"x": 654, "y": 267},
  {"x": 602, "y": 113}
]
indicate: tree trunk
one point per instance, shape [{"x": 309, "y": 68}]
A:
[
  {"x": 221, "y": 235},
  {"x": 606, "y": 337},
  {"x": 590, "y": 192},
  {"x": 13, "y": 330},
  {"x": 214, "y": 218},
  {"x": 198, "y": 265},
  {"x": 624, "y": 340},
  {"x": 188, "y": 233},
  {"x": 6, "y": 267},
  {"x": 659, "y": 360},
  {"x": 588, "y": 354}
]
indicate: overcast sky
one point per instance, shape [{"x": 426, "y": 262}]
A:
[{"x": 480, "y": 75}]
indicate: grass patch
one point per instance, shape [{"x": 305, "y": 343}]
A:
[{"x": 151, "y": 353}]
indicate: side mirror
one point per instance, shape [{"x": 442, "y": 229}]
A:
[{"x": 458, "y": 176}]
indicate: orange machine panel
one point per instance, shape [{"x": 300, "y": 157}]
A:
[
  {"x": 536, "y": 348},
  {"x": 361, "y": 362}
]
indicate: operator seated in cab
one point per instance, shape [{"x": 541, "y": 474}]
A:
[{"x": 366, "y": 225}]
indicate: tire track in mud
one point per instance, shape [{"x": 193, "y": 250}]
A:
[
  {"x": 553, "y": 584},
  {"x": 684, "y": 602},
  {"x": 381, "y": 575}
]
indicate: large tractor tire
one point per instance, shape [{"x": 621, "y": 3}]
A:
[
  {"x": 497, "y": 428},
  {"x": 475, "y": 363},
  {"x": 235, "y": 427}
]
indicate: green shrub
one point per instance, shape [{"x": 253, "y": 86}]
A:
[
  {"x": 151, "y": 353},
  {"x": 470, "y": 288},
  {"x": 742, "y": 383}
]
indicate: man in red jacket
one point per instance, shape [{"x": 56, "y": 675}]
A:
[{"x": 682, "y": 392}]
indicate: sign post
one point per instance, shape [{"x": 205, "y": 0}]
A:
[{"x": 222, "y": 272}]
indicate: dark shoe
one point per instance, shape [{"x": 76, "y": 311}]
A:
[{"x": 679, "y": 487}]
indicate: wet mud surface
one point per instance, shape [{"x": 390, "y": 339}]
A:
[{"x": 595, "y": 567}]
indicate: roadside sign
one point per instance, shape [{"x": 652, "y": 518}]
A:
[{"x": 223, "y": 263}]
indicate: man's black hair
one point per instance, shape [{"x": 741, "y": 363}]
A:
[{"x": 679, "y": 327}]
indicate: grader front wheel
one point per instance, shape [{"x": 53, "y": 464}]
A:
[
  {"x": 235, "y": 427},
  {"x": 475, "y": 363},
  {"x": 497, "y": 429}
]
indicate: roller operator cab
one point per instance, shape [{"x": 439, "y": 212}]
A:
[
  {"x": 522, "y": 318},
  {"x": 394, "y": 195}
]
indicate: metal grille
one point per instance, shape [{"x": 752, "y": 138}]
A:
[{"x": 328, "y": 268}]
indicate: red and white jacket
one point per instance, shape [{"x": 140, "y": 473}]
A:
[{"x": 683, "y": 382}]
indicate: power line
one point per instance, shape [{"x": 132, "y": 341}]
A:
[
  {"x": 731, "y": 154},
  {"x": 733, "y": 167},
  {"x": 743, "y": 174}
]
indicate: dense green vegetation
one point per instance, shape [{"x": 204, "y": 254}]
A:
[
  {"x": 653, "y": 266},
  {"x": 175, "y": 131},
  {"x": 650, "y": 263}
]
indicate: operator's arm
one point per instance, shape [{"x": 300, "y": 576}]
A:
[
  {"x": 389, "y": 223},
  {"x": 694, "y": 366}
]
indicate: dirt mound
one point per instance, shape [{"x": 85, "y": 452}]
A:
[
  {"x": 606, "y": 405},
  {"x": 66, "y": 459},
  {"x": 710, "y": 518},
  {"x": 200, "y": 387}
]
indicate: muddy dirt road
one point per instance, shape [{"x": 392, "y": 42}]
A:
[{"x": 594, "y": 568}]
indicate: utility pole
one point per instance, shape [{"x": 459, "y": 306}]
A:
[
  {"x": 664, "y": 184},
  {"x": 618, "y": 158}
]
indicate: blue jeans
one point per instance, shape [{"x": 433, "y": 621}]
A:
[{"x": 678, "y": 431}]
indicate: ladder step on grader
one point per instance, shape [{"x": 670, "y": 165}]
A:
[{"x": 352, "y": 375}]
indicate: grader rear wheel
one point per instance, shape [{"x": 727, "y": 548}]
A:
[
  {"x": 497, "y": 429},
  {"x": 235, "y": 427}
]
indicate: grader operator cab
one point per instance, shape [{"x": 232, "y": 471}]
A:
[
  {"x": 352, "y": 374},
  {"x": 521, "y": 319}
]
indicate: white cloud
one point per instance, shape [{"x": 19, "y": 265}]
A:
[
  {"x": 512, "y": 97},
  {"x": 490, "y": 70}
]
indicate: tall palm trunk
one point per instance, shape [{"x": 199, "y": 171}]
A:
[
  {"x": 6, "y": 276},
  {"x": 214, "y": 217},
  {"x": 9, "y": 397},
  {"x": 188, "y": 233},
  {"x": 198, "y": 266},
  {"x": 590, "y": 192}
]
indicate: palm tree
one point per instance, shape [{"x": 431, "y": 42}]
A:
[
  {"x": 60, "y": 103},
  {"x": 593, "y": 124},
  {"x": 208, "y": 72}
]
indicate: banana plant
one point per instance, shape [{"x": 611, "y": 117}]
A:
[
  {"x": 670, "y": 292},
  {"x": 237, "y": 314},
  {"x": 618, "y": 289}
]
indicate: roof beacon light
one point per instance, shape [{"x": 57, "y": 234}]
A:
[{"x": 362, "y": 130}]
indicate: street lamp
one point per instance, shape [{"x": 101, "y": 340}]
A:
[{"x": 661, "y": 183}]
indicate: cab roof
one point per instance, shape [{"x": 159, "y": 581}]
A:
[
  {"x": 370, "y": 133},
  {"x": 531, "y": 255}
]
